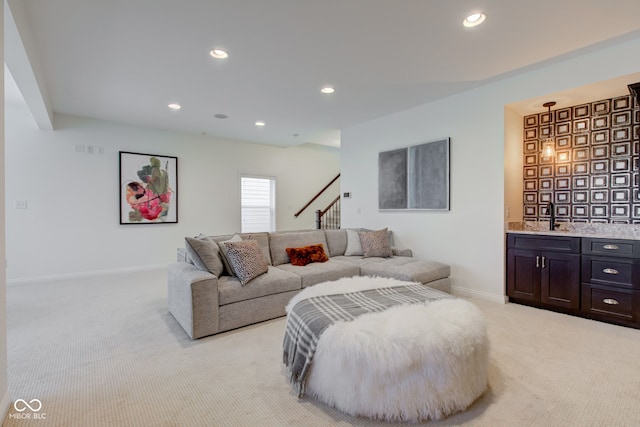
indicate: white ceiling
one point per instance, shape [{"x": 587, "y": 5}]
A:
[{"x": 125, "y": 60}]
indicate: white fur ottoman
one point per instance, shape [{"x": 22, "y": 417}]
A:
[{"x": 408, "y": 363}]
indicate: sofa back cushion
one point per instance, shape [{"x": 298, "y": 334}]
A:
[
  {"x": 336, "y": 241},
  {"x": 279, "y": 243}
]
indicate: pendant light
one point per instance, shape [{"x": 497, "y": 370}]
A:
[{"x": 549, "y": 145}]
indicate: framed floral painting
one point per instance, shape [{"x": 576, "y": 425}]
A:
[{"x": 148, "y": 189}]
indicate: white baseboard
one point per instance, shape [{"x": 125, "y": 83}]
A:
[
  {"x": 85, "y": 274},
  {"x": 5, "y": 404},
  {"x": 472, "y": 293}
]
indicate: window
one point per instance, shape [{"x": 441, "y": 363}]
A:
[{"x": 258, "y": 203}]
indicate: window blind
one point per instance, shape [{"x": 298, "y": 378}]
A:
[{"x": 258, "y": 204}]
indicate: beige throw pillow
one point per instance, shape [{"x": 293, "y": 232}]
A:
[
  {"x": 204, "y": 253},
  {"x": 375, "y": 243},
  {"x": 246, "y": 259}
]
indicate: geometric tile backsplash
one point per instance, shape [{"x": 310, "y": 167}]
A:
[{"x": 594, "y": 175}]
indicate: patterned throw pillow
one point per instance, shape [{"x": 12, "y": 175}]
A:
[
  {"x": 375, "y": 243},
  {"x": 307, "y": 254},
  {"x": 204, "y": 253},
  {"x": 223, "y": 252},
  {"x": 246, "y": 259}
]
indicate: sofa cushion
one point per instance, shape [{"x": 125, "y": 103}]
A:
[
  {"x": 246, "y": 260},
  {"x": 205, "y": 254},
  {"x": 375, "y": 243},
  {"x": 274, "y": 281},
  {"x": 336, "y": 241},
  {"x": 279, "y": 243},
  {"x": 322, "y": 272},
  {"x": 307, "y": 254}
]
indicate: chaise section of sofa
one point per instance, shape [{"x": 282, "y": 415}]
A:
[
  {"x": 431, "y": 273},
  {"x": 204, "y": 303},
  {"x": 401, "y": 265}
]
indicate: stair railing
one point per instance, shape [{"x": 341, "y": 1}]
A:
[
  {"x": 329, "y": 218},
  {"x": 316, "y": 196}
]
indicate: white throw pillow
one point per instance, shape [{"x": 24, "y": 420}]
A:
[{"x": 354, "y": 247}]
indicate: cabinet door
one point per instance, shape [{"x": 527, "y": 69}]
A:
[
  {"x": 560, "y": 280},
  {"x": 523, "y": 275}
]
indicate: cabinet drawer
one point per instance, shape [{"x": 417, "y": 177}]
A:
[
  {"x": 615, "y": 303},
  {"x": 544, "y": 242},
  {"x": 622, "y": 272},
  {"x": 611, "y": 247}
]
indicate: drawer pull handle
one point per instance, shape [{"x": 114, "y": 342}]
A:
[
  {"x": 610, "y": 301},
  {"x": 610, "y": 271},
  {"x": 611, "y": 247}
]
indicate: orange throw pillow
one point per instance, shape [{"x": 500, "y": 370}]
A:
[{"x": 307, "y": 254}]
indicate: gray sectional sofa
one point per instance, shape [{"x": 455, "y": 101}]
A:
[{"x": 206, "y": 304}]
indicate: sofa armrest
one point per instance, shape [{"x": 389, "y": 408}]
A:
[
  {"x": 193, "y": 299},
  {"x": 401, "y": 252}
]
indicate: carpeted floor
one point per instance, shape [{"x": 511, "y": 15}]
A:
[{"x": 105, "y": 352}]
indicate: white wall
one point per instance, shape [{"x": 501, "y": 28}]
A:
[
  {"x": 71, "y": 224},
  {"x": 470, "y": 237}
]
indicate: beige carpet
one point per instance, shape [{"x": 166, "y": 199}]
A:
[{"x": 106, "y": 353}]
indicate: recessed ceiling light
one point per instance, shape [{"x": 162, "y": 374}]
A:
[
  {"x": 219, "y": 53},
  {"x": 327, "y": 89},
  {"x": 174, "y": 106},
  {"x": 260, "y": 123},
  {"x": 474, "y": 19}
]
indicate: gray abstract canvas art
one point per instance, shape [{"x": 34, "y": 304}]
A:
[
  {"x": 415, "y": 177},
  {"x": 429, "y": 175},
  {"x": 392, "y": 179}
]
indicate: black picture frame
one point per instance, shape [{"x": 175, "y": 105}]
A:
[{"x": 148, "y": 188}]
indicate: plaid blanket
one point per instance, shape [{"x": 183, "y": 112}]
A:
[{"x": 311, "y": 317}]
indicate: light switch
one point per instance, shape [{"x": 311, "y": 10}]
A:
[{"x": 21, "y": 204}]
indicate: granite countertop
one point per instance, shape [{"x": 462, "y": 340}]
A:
[{"x": 574, "y": 229}]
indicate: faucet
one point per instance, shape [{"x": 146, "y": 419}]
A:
[{"x": 551, "y": 210}]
